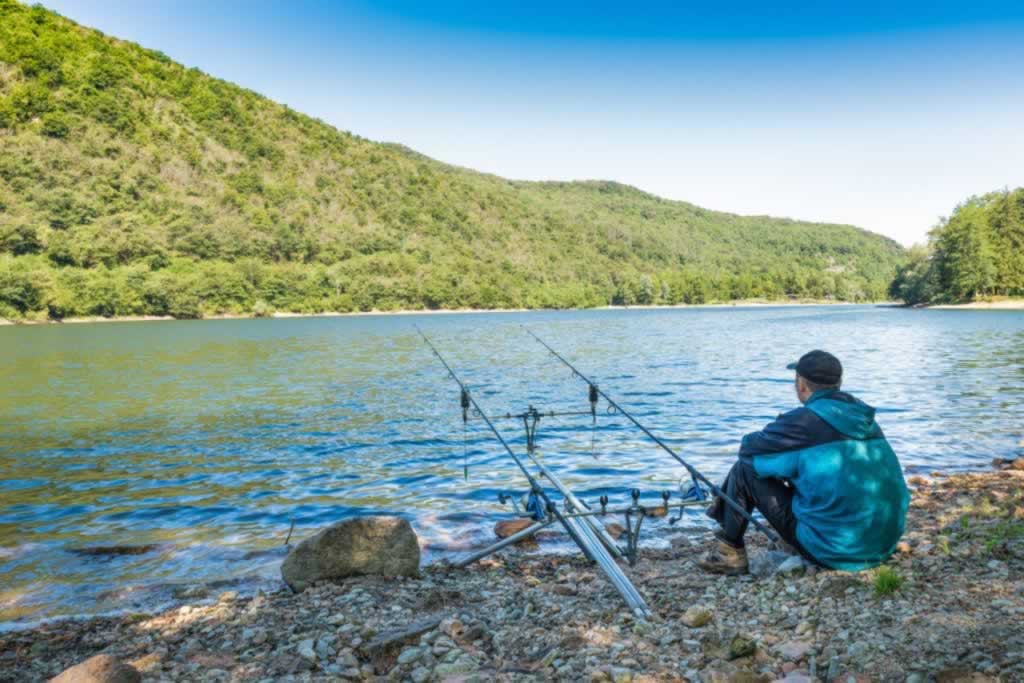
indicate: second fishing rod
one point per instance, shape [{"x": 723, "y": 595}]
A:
[{"x": 694, "y": 473}]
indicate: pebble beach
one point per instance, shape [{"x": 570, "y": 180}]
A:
[{"x": 947, "y": 607}]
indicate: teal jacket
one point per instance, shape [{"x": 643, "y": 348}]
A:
[{"x": 850, "y": 499}]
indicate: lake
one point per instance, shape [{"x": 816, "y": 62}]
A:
[{"x": 208, "y": 439}]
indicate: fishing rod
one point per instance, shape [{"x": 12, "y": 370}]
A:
[
  {"x": 578, "y": 529},
  {"x": 697, "y": 476}
]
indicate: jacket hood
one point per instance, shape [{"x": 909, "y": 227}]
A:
[{"x": 845, "y": 413}]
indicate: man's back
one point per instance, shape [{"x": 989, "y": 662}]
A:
[{"x": 850, "y": 498}]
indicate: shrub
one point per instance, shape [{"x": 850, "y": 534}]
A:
[
  {"x": 20, "y": 239},
  {"x": 55, "y": 125},
  {"x": 23, "y": 287},
  {"x": 261, "y": 309}
]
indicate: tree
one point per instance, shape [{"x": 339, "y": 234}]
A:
[{"x": 967, "y": 261}]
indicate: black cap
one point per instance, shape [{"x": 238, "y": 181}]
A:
[{"x": 820, "y": 367}]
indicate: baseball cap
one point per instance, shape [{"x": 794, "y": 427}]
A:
[{"x": 820, "y": 367}]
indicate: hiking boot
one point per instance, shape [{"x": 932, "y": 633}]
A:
[{"x": 722, "y": 558}]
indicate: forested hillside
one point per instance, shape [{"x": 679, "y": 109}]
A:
[
  {"x": 976, "y": 252},
  {"x": 130, "y": 184}
]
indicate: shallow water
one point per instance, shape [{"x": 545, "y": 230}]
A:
[{"x": 208, "y": 439}]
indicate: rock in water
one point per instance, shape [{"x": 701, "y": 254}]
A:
[
  {"x": 363, "y": 545},
  {"x": 508, "y": 527},
  {"x": 614, "y": 529},
  {"x": 99, "y": 669}
]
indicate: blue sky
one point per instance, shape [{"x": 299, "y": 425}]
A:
[{"x": 883, "y": 115}]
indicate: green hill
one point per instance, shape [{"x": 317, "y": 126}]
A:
[{"x": 130, "y": 184}]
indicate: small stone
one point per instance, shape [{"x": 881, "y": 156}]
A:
[
  {"x": 509, "y": 527},
  {"x": 741, "y": 646},
  {"x": 621, "y": 675},
  {"x": 420, "y": 675},
  {"x": 305, "y": 649},
  {"x": 696, "y": 616},
  {"x": 409, "y": 655},
  {"x": 614, "y": 529},
  {"x": 99, "y": 669},
  {"x": 462, "y": 665},
  {"x": 792, "y": 565},
  {"x": 858, "y": 648},
  {"x": 798, "y": 677},
  {"x": 452, "y": 627},
  {"x": 794, "y": 650}
]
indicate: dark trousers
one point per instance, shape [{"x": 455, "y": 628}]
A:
[{"x": 772, "y": 497}]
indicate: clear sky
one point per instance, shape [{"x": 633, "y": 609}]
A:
[{"x": 877, "y": 113}]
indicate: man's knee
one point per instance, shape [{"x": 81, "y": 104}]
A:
[{"x": 743, "y": 474}]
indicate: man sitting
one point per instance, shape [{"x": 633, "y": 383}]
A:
[{"x": 823, "y": 476}]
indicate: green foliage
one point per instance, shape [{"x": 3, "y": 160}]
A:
[
  {"x": 976, "y": 252},
  {"x": 1000, "y": 534},
  {"x": 24, "y": 287},
  {"x": 174, "y": 193},
  {"x": 20, "y": 239},
  {"x": 886, "y": 581},
  {"x": 56, "y": 125}
]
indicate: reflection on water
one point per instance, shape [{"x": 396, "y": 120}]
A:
[{"x": 207, "y": 439}]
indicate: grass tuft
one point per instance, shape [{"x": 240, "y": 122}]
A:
[{"x": 887, "y": 581}]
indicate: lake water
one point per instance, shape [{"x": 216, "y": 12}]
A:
[{"x": 207, "y": 439}]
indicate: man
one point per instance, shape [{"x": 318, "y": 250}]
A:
[{"x": 823, "y": 476}]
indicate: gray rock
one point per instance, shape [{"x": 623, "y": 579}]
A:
[
  {"x": 360, "y": 546},
  {"x": 621, "y": 675},
  {"x": 420, "y": 675},
  {"x": 765, "y": 563},
  {"x": 794, "y": 650},
  {"x": 462, "y": 665},
  {"x": 305, "y": 650},
  {"x": 99, "y": 669},
  {"x": 794, "y": 564},
  {"x": 409, "y": 655}
]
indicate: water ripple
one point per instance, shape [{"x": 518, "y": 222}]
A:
[{"x": 207, "y": 440}]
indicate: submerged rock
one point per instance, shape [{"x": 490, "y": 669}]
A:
[
  {"x": 508, "y": 527},
  {"x": 381, "y": 545},
  {"x": 114, "y": 550},
  {"x": 99, "y": 669}
]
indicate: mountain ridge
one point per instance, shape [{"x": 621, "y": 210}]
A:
[{"x": 132, "y": 185}]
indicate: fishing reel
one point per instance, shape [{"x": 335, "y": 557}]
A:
[{"x": 528, "y": 504}]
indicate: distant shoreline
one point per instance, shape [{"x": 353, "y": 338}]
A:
[
  {"x": 754, "y": 303},
  {"x": 1000, "y": 305}
]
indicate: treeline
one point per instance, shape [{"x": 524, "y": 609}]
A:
[
  {"x": 130, "y": 184},
  {"x": 31, "y": 287},
  {"x": 977, "y": 252}
]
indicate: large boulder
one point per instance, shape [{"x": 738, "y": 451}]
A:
[
  {"x": 99, "y": 669},
  {"x": 386, "y": 546}
]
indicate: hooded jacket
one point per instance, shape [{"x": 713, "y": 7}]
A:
[{"x": 850, "y": 500}]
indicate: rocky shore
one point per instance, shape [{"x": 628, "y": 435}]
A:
[{"x": 948, "y": 607}]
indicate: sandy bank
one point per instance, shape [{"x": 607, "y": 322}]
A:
[
  {"x": 1001, "y": 305},
  {"x": 523, "y": 616}
]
